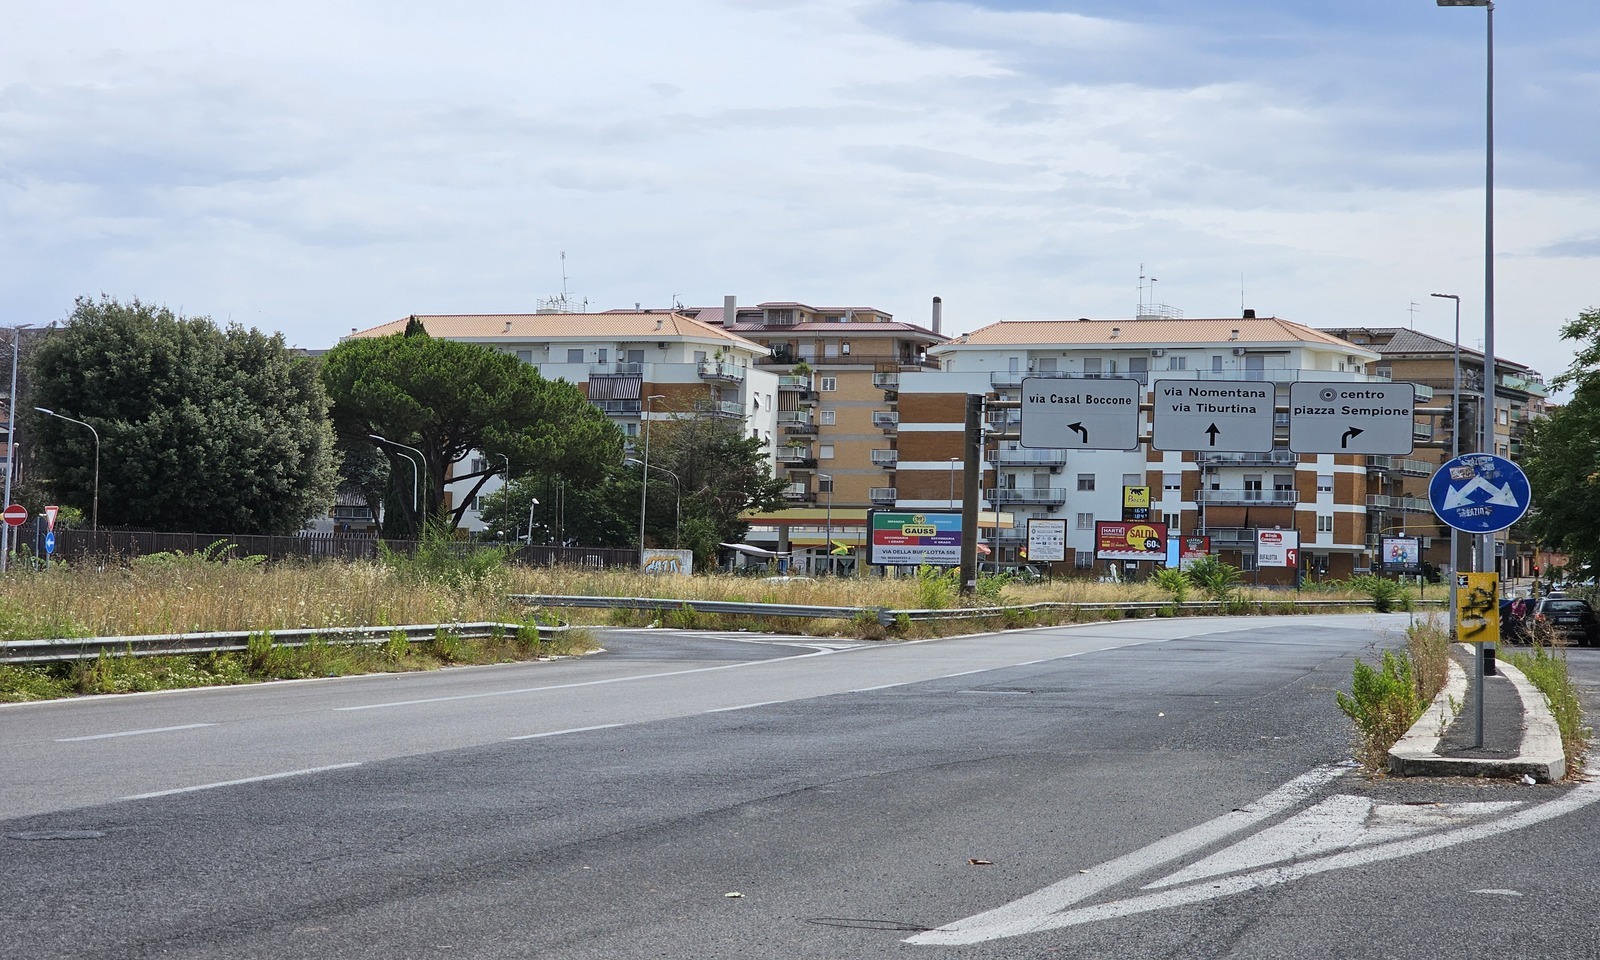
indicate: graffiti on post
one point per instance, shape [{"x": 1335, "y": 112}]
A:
[{"x": 1478, "y": 607}]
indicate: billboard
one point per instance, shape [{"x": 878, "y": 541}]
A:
[
  {"x": 1047, "y": 540},
  {"x": 1191, "y": 549},
  {"x": 1136, "y": 503},
  {"x": 1400, "y": 554},
  {"x": 1130, "y": 541},
  {"x": 897, "y": 538},
  {"x": 1277, "y": 548}
]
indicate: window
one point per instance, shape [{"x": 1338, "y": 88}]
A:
[
  {"x": 828, "y": 384},
  {"x": 1133, "y": 479},
  {"x": 1171, "y": 481},
  {"x": 1216, "y": 363},
  {"x": 1324, "y": 523},
  {"x": 825, "y": 451},
  {"x": 1252, "y": 487},
  {"x": 1247, "y": 561},
  {"x": 1173, "y": 521},
  {"x": 1085, "y": 481},
  {"x": 1083, "y": 561},
  {"x": 825, "y": 485},
  {"x": 575, "y": 355},
  {"x": 1324, "y": 483},
  {"x": 699, "y": 356},
  {"x": 1283, "y": 483},
  {"x": 1085, "y": 521},
  {"x": 828, "y": 417},
  {"x": 601, "y": 358},
  {"x": 1091, "y": 366},
  {"x": 630, "y": 429},
  {"x": 1177, "y": 363},
  {"x": 1502, "y": 416},
  {"x": 526, "y": 356}
]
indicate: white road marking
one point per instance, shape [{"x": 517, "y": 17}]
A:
[
  {"x": 557, "y": 733},
  {"x": 583, "y": 683},
  {"x": 133, "y": 733},
  {"x": 1046, "y": 910},
  {"x": 1022, "y": 916},
  {"x": 746, "y": 706},
  {"x": 243, "y": 780}
]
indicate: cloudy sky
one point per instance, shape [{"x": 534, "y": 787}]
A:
[{"x": 312, "y": 167}]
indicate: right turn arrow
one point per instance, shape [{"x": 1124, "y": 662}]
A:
[{"x": 1344, "y": 441}]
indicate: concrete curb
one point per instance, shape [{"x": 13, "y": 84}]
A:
[{"x": 1539, "y": 754}]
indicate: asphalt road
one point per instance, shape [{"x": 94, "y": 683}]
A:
[{"x": 1135, "y": 789}]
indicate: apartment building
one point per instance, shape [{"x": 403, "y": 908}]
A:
[
  {"x": 839, "y": 372},
  {"x": 1225, "y": 496},
  {"x": 638, "y": 366},
  {"x": 1398, "y": 503}
]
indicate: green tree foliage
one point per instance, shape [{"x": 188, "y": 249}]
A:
[
  {"x": 602, "y": 511},
  {"x": 447, "y": 398},
  {"x": 723, "y": 473},
  {"x": 201, "y": 428},
  {"x": 1561, "y": 453}
]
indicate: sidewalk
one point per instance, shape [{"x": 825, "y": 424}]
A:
[{"x": 1519, "y": 734}]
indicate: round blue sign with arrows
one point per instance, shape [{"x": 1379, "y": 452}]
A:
[{"x": 1479, "y": 493}]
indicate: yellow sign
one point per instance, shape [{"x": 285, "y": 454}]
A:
[
  {"x": 1478, "y": 607},
  {"x": 1136, "y": 496},
  {"x": 919, "y": 530}
]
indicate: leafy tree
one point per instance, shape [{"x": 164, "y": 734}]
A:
[
  {"x": 447, "y": 398},
  {"x": 1561, "y": 456},
  {"x": 723, "y": 474},
  {"x": 201, "y": 429},
  {"x": 602, "y": 511}
]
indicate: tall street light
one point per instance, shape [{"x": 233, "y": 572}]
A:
[
  {"x": 94, "y": 517},
  {"x": 11, "y": 440},
  {"x": 532, "y": 502},
  {"x": 1486, "y": 560},
  {"x": 827, "y": 537},
  {"x": 644, "y": 475},
  {"x": 506, "y": 484},
  {"x": 677, "y": 485},
  {"x": 415, "y": 478}
]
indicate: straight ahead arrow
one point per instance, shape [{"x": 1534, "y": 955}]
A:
[
  {"x": 1212, "y": 432},
  {"x": 1344, "y": 441},
  {"x": 1081, "y": 431}
]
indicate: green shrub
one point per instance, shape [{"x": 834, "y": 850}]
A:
[
  {"x": 1175, "y": 581},
  {"x": 397, "y": 647},
  {"x": 1546, "y": 668},
  {"x": 447, "y": 646},
  {"x": 683, "y": 617},
  {"x": 1386, "y": 594},
  {"x": 937, "y": 588},
  {"x": 1219, "y": 580},
  {"x": 1384, "y": 704}
]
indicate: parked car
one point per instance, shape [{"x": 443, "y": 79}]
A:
[{"x": 1570, "y": 618}]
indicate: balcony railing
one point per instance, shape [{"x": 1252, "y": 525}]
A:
[
  {"x": 726, "y": 408},
  {"x": 617, "y": 408},
  {"x": 796, "y": 422},
  {"x": 886, "y": 458},
  {"x": 721, "y": 370},
  {"x": 1273, "y": 498},
  {"x": 881, "y": 494},
  {"x": 790, "y": 381},
  {"x": 1382, "y": 501},
  {"x": 887, "y": 422},
  {"x": 1056, "y": 495},
  {"x": 1277, "y": 458},
  {"x": 616, "y": 369},
  {"x": 797, "y": 461},
  {"x": 886, "y": 381},
  {"x": 800, "y": 496},
  {"x": 1417, "y": 468},
  {"x": 1038, "y": 458},
  {"x": 1231, "y": 535}
]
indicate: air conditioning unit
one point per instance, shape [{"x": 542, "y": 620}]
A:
[
  {"x": 1238, "y": 351},
  {"x": 1158, "y": 352}
]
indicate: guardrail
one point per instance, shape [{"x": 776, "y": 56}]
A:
[
  {"x": 234, "y": 641},
  {"x": 886, "y": 616}
]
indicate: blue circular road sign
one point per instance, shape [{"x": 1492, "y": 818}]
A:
[
  {"x": 50, "y": 542},
  {"x": 1479, "y": 493}
]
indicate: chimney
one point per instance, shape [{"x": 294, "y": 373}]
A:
[
  {"x": 730, "y": 310},
  {"x": 508, "y": 326},
  {"x": 938, "y": 315},
  {"x": 659, "y": 322},
  {"x": 1249, "y": 314}
]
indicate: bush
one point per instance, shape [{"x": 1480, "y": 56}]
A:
[
  {"x": 1386, "y": 594},
  {"x": 1175, "y": 582},
  {"x": 1384, "y": 704},
  {"x": 1547, "y": 669},
  {"x": 1217, "y": 579},
  {"x": 937, "y": 589}
]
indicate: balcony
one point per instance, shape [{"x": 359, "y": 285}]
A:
[
  {"x": 887, "y": 422},
  {"x": 1047, "y": 495},
  {"x": 1416, "y": 468},
  {"x": 1379, "y": 462},
  {"x": 887, "y": 380},
  {"x": 721, "y": 370},
  {"x": 1023, "y": 457},
  {"x": 881, "y": 495},
  {"x": 1381, "y": 501},
  {"x": 1277, "y": 458},
  {"x": 886, "y": 458},
  {"x": 616, "y": 369},
  {"x": 799, "y": 495},
  {"x": 802, "y": 460},
  {"x": 796, "y": 422},
  {"x": 792, "y": 381},
  {"x": 1231, "y": 535},
  {"x": 726, "y": 408},
  {"x": 617, "y": 408},
  {"x": 1266, "y": 498}
]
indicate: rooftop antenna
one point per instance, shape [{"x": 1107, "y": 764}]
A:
[
  {"x": 1413, "y": 311},
  {"x": 562, "y": 303},
  {"x": 1241, "y": 293}
]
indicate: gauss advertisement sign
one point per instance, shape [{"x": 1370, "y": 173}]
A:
[{"x": 899, "y": 538}]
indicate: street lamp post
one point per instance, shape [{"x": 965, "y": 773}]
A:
[
  {"x": 644, "y": 475},
  {"x": 415, "y": 474},
  {"x": 532, "y": 502},
  {"x": 677, "y": 485},
  {"x": 11, "y": 441},
  {"x": 827, "y": 536},
  {"x": 506, "y": 485},
  {"x": 94, "y": 516},
  {"x": 1455, "y": 448}
]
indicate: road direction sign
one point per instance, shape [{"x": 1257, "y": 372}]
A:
[
  {"x": 15, "y": 514},
  {"x": 50, "y": 542},
  {"x": 1208, "y": 415},
  {"x": 1100, "y": 414},
  {"x": 1479, "y": 493},
  {"x": 1364, "y": 418}
]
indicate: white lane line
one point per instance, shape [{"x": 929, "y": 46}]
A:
[
  {"x": 1037, "y": 909},
  {"x": 584, "y": 683},
  {"x": 235, "y": 783},
  {"x": 1047, "y": 913},
  {"x": 557, "y": 733},
  {"x": 746, "y": 706},
  {"x": 132, "y": 733}
]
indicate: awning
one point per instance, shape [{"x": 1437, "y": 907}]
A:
[
  {"x": 614, "y": 388},
  {"x": 750, "y": 551}
]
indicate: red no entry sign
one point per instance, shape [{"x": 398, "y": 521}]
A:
[{"x": 15, "y": 514}]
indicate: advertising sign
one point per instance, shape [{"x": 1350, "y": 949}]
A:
[
  {"x": 1130, "y": 541},
  {"x": 1136, "y": 503},
  {"x": 1277, "y": 548},
  {"x": 1478, "y": 607},
  {"x": 1191, "y": 549},
  {"x": 1400, "y": 554},
  {"x": 899, "y": 538},
  {"x": 1047, "y": 540}
]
